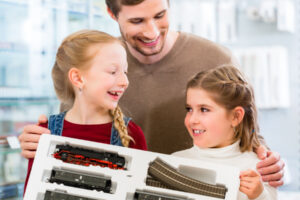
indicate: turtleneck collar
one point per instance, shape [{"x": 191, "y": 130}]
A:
[{"x": 224, "y": 152}]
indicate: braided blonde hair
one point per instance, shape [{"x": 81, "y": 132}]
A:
[
  {"x": 228, "y": 87},
  {"x": 73, "y": 52},
  {"x": 119, "y": 124}
]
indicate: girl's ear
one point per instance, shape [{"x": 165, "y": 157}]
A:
[
  {"x": 238, "y": 115},
  {"x": 76, "y": 78}
]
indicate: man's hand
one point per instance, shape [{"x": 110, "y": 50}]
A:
[
  {"x": 30, "y": 137},
  {"x": 271, "y": 166},
  {"x": 250, "y": 184}
]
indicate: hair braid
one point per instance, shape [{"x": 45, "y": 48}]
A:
[{"x": 119, "y": 124}]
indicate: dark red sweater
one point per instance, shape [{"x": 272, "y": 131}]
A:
[{"x": 96, "y": 133}]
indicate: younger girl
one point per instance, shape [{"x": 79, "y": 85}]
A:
[
  {"x": 222, "y": 121},
  {"x": 89, "y": 76}
]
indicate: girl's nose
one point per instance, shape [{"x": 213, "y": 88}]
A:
[
  {"x": 123, "y": 80},
  {"x": 194, "y": 119}
]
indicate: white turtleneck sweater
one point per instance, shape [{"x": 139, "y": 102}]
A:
[{"x": 230, "y": 155}]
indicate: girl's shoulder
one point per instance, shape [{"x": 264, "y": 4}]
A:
[
  {"x": 137, "y": 135},
  {"x": 248, "y": 160}
]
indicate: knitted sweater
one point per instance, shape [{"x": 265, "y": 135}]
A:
[{"x": 155, "y": 98}]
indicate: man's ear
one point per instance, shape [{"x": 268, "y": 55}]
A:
[
  {"x": 76, "y": 78},
  {"x": 111, "y": 14},
  {"x": 237, "y": 115}
]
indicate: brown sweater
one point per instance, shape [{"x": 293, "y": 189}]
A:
[{"x": 155, "y": 98}]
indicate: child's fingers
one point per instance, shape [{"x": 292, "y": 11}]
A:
[
  {"x": 245, "y": 190},
  {"x": 246, "y": 184},
  {"x": 246, "y": 179},
  {"x": 249, "y": 173}
]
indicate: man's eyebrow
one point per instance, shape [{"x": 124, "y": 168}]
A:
[
  {"x": 140, "y": 18},
  {"x": 135, "y": 18}
]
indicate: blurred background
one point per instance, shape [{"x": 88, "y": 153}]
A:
[{"x": 263, "y": 34}]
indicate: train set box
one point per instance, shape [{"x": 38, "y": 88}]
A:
[{"x": 67, "y": 168}]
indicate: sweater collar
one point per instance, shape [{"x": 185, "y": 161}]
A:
[{"x": 228, "y": 151}]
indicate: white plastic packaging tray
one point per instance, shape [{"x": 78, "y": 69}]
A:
[{"x": 124, "y": 182}]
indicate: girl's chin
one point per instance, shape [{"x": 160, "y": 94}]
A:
[{"x": 201, "y": 145}]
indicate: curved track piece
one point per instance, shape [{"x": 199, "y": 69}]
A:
[
  {"x": 143, "y": 195},
  {"x": 170, "y": 177}
]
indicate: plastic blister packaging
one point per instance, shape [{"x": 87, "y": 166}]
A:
[{"x": 83, "y": 173}]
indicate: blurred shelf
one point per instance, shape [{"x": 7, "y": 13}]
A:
[
  {"x": 5, "y": 151},
  {"x": 11, "y": 191},
  {"x": 11, "y": 101}
]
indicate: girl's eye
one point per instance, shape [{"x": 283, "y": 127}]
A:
[
  {"x": 204, "y": 110},
  {"x": 188, "y": 109}
]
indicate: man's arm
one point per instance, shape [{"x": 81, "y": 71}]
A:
[
  {"x": 30, "y": 137},
  {"x": 271, "y": 166}
]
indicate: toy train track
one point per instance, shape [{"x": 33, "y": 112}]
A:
[
  {"x": 51, "y": 195},
  {"x": 84, "y": 181},
  {"x": 170, "y": 177},
  {"x": 150, "y": 181},
  {"x": 87, "y": 157},
  {"x": 142, "y": 195}
]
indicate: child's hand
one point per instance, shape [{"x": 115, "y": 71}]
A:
[{"x": 251, "y": 184}]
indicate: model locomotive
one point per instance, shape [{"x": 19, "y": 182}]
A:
[
  {"x": 81, "y": 180},
  {"x": 87, "y": 157}
]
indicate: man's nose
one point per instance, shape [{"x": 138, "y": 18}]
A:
[{"x": 151, "y": 30}]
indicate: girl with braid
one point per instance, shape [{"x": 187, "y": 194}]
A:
[
  {"x": 89, "y": 76},
  {"x": 221, "y": 118}
]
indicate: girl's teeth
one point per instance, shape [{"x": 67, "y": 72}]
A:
[{"x": 198, "y": 131}]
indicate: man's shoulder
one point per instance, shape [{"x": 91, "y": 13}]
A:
[
  {"x": 197, "y": 42},
  {"x": 190, "y": 37}
]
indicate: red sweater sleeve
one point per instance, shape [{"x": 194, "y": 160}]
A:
[
  {"x": 138, "y": 136},
  {"x": 30, "y": 162}
]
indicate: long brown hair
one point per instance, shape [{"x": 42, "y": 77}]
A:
[
  {"x": 228, "y": 87},
  {"x": 73, "y": 52}
]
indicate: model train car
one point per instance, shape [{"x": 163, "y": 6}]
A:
[
  {"x": 80, "y": 180},
  {"x": 51, "y": 195},
  {"x": 87, "y": 157},
  {"x": 143, "y": 195}
]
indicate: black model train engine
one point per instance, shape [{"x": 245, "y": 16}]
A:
[{"x": 87, "y": 157}]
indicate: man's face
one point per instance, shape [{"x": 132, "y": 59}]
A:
[{"x": 145, "y": 26}]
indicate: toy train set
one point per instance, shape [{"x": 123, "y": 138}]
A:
[{"x": 69, "y": 169}]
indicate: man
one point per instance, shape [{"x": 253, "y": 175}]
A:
[{"x": 160, "y": 63}]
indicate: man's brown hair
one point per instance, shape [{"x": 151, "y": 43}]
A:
[{"x": 115, "y": 5}]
